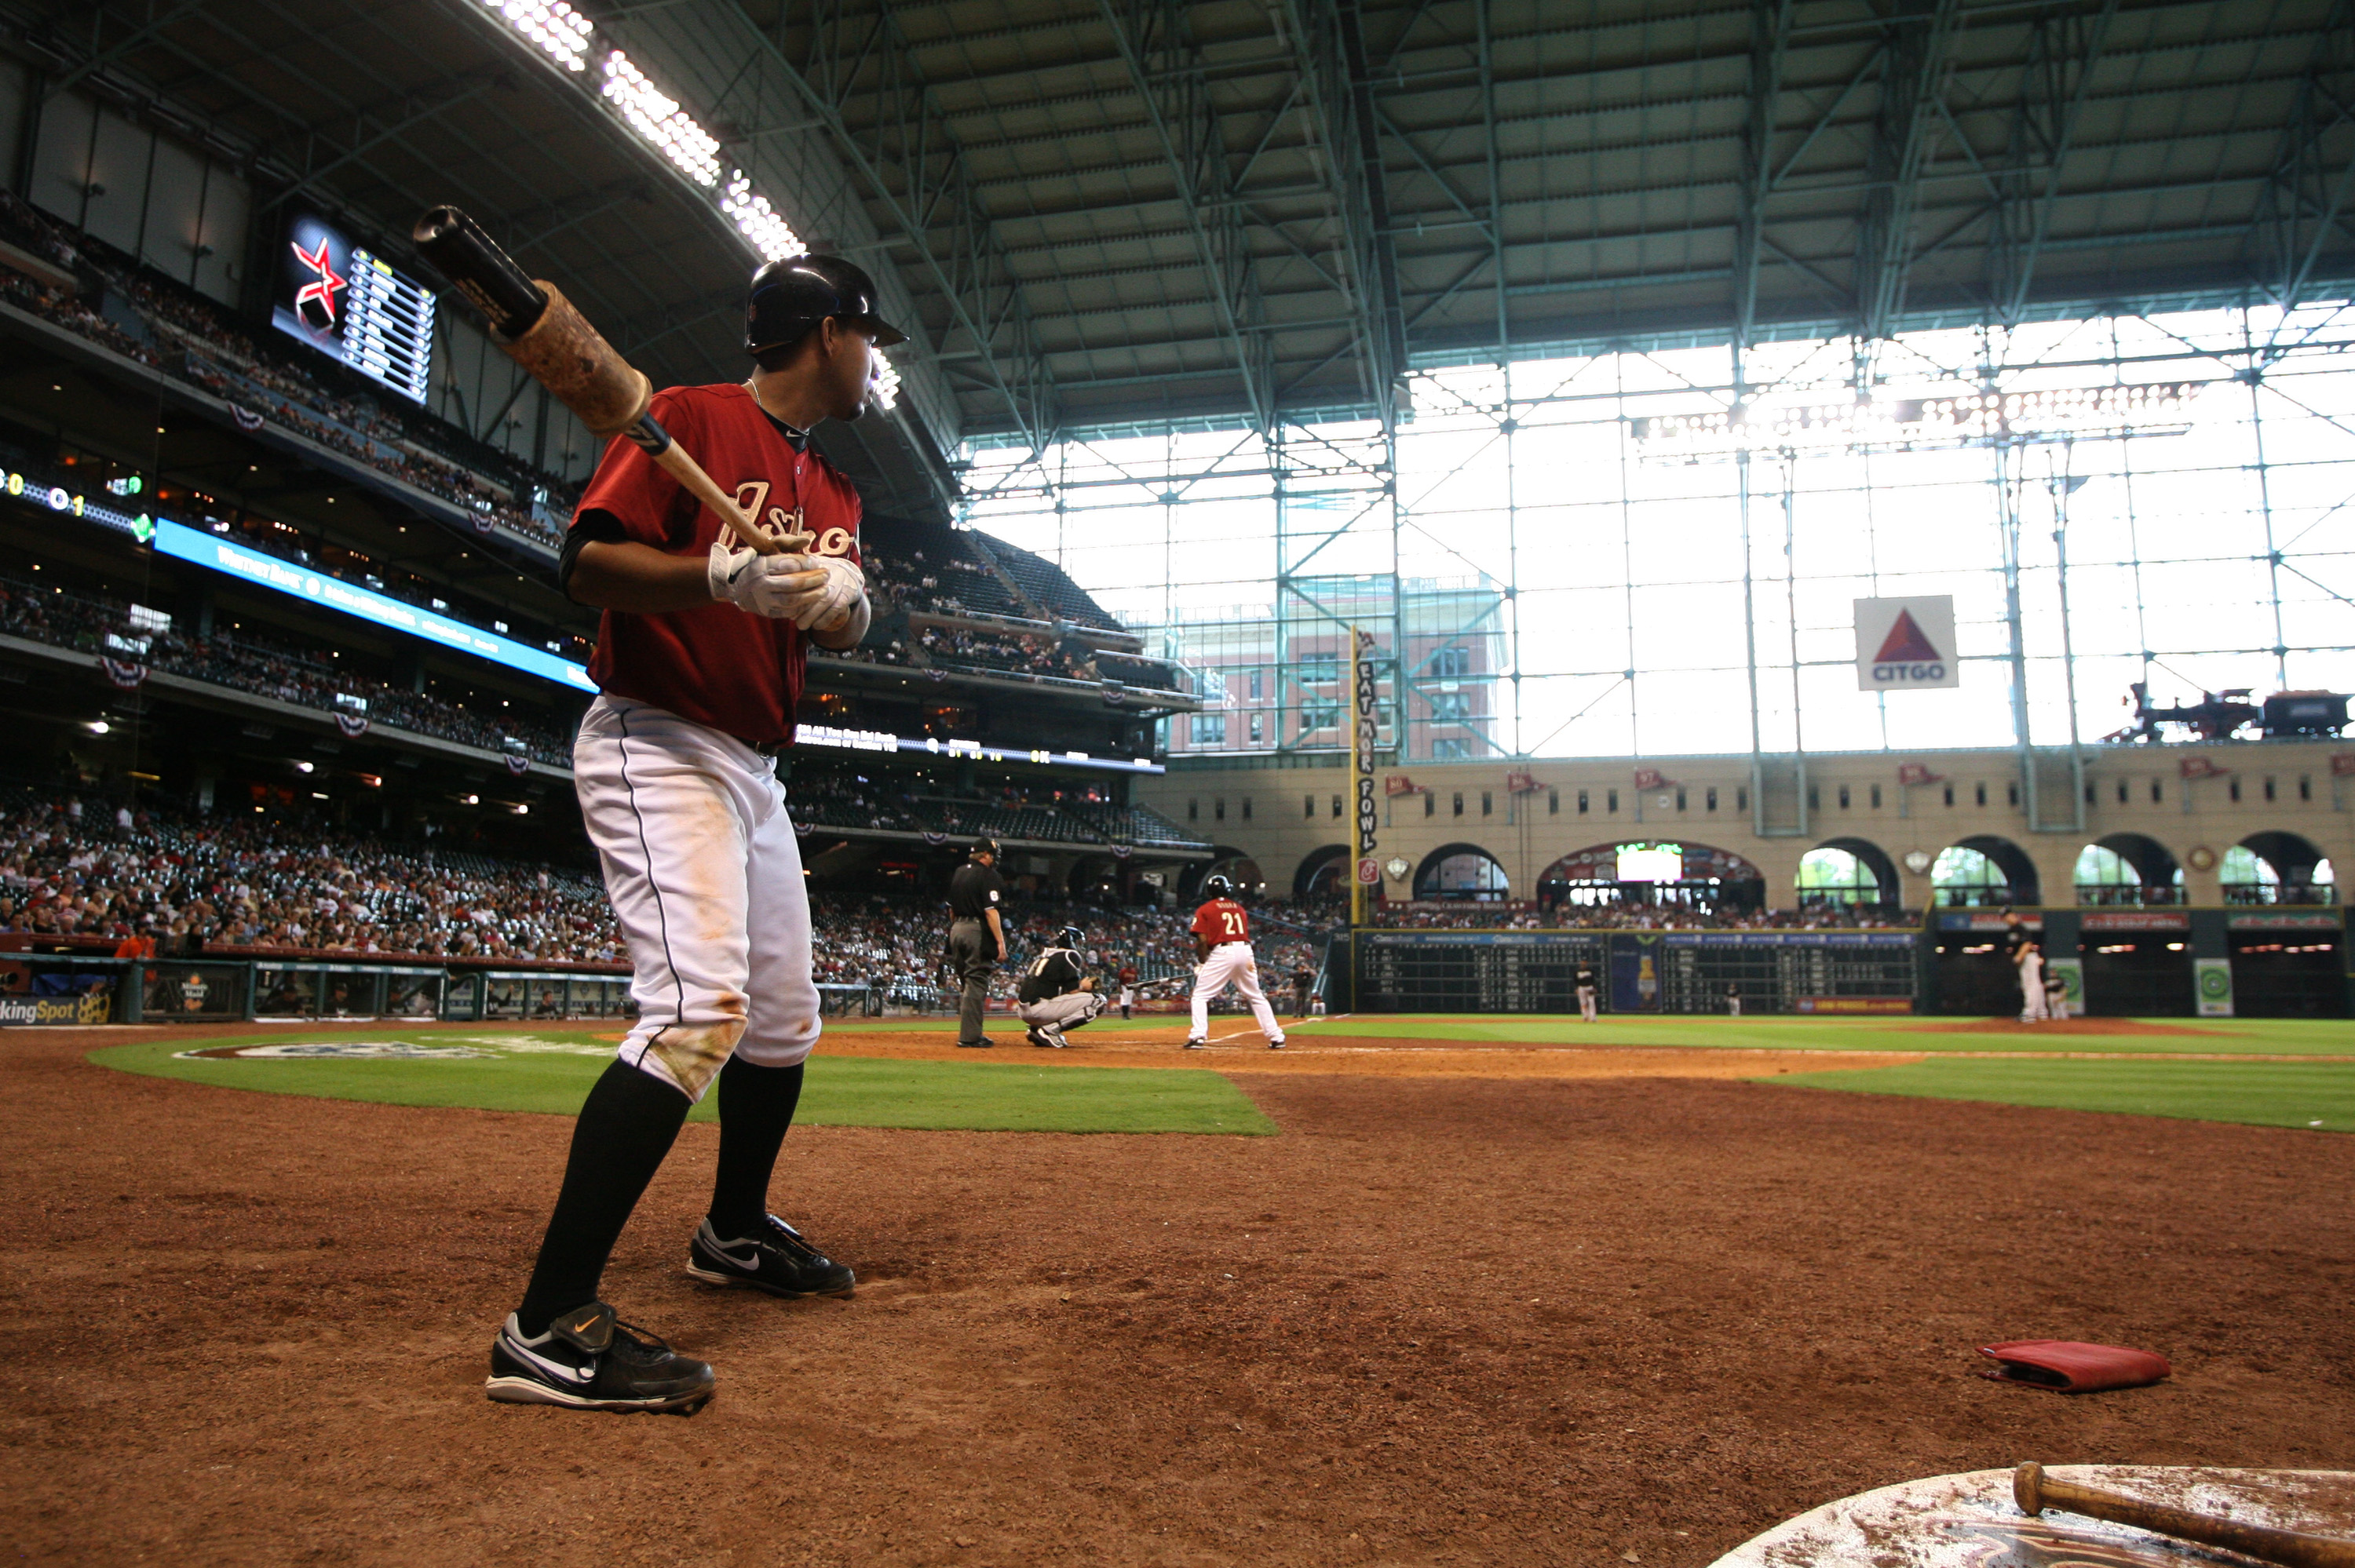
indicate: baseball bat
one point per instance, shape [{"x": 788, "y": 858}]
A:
[
  {"x": 2035, "y": 1491},
  {"x": 535, "y": 325}
]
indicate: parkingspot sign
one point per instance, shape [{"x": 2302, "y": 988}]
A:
[{"x": 1906, "y": 644}]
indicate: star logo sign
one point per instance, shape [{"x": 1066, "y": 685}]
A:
[{"x": 321, "y": 289}]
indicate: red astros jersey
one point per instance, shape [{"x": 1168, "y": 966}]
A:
[
  {"x": 1222, "y": 920},
  {"x": 740, "y": 673}
]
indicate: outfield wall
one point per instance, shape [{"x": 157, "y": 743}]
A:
[{"x": 2275, "y": 963}]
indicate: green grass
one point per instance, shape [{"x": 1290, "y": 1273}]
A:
[
  {"x": 2253, "y": 1036},
  {"x": 554, "y": 1069},
  {"x": 2262, "y": 1094}
]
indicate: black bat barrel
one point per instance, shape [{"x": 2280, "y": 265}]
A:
[{"x": 486, "y": 274}]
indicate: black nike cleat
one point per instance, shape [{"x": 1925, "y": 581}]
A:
[
  {"x": 1197, "y": 1044},
  {"x": 589, "y": 1360},
  {"x": 777, "y": 1260},
  {"x": 1047, "y": 1039}
]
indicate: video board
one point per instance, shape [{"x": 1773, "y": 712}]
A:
[{"x": 348, "y": 302}]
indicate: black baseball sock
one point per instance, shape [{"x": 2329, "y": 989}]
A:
[
  {"x": 756, "y": 1107},
  {"x": 627, "y": 1124}
]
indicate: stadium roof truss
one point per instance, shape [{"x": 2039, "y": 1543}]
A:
[{"x": 1105, "y": 214}]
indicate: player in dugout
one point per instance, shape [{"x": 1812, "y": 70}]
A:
[{"x": 1057, "y": 993}]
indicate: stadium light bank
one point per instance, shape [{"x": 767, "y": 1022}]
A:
[{"x": 1922, "y": 424}]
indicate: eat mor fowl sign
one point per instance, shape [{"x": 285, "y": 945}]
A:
[{"x": 1906, "y": 644}]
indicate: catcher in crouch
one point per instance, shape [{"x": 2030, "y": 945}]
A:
[{"x": 1055, "y": 994}]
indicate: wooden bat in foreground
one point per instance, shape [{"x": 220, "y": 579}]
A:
[
  {"x": 535, "y": 325},
  {"x": 2035, "y": 1491}
]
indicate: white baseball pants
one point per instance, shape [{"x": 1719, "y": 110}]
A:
[
  {"x": 1231, "y": 963},
  {"x": 705, "y": 876},
  {"x": 1069, "y": 1011}
]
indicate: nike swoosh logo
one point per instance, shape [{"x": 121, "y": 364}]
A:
[
  {"x": 750, "y": 1260},
  {"x": 554, "y": 1368}
]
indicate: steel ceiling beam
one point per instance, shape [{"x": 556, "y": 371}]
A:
[
  {"x": 918, "y": 175},
  {"x": 418, "y": 113},
  {"x": 1329, "y": 41},
  {"x": 99, "y": 60},
  {"x": 2065, "y": 44},
  {"x": 2304, "y": 203},
  {"x": 1157, "y": 47},
  {"x": 1770, "y": 42},
  {"x": 1916, "y": 59}
]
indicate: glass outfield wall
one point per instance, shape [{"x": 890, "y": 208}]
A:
[{"x": 1581, "y": 557}]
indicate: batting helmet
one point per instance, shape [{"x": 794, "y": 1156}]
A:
[
  {"x": 1218, "y": 887},
  {"x": 984, "y": 847},
  {"x": 790, "y": 297},
  {"x": 1070, "y": 936}
]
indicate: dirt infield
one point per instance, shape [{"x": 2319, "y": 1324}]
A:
[
  {"x": 1447, "y": 1320},
  {"x": 1238, "y": 1049}
]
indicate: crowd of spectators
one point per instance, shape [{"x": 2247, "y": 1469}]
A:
[
  {"x": 827, "y": 796},
  {"x": 179, "y": 332},
  {"x": 265, "y": 666},
  {"x": 952, "y": 585},
  {"x": 237, "y": 885}
]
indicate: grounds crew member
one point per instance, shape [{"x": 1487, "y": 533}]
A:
[
  {"x": 977, "y": 937},
  {"x": 1223, "y": 946},
  {"x": 698, "y": 667},
  {"x": 1056, "y": 995}
]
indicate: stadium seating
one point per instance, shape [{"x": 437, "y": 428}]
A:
[
  {"x": 1052, "y": 593},
  {"x": 106, "y": 872},
  {"x": 250, "y": 662},
  {"x": 162, "y": 324}
]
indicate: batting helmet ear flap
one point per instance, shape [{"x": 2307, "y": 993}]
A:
[{"x": 1217, "y": 887}]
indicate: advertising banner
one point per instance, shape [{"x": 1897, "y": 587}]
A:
[
  {"x": 1906, "y": 644},
  {"x": 2211, "y": 981},
  {"x": 2071, "y": 973},
  {"x": 1365, "y": 713}
]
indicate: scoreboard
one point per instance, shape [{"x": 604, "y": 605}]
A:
[
  {"x": 1657, "y": 972},
  {"x": 345, "y": 301},
  {"x": 1473, "y": 971}
]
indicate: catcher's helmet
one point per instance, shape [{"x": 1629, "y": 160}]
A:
[
  {"x": 790, "y": 297},
  {"x": 984, "y": 847},
  {"x": 1218, "y": 887},
  {"x": 1071, "y": 936}
]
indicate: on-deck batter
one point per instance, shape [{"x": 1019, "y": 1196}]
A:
[
  {"x": 1222, "y": 945},
  {"x": 700, "y": 662}
]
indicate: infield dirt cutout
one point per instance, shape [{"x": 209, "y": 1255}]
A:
[{"x": 1451, "y": 1318}]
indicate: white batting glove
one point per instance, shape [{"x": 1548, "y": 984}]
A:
[
  {"x": 751, "y": 581},
  {"x": 826, "y": 606}
]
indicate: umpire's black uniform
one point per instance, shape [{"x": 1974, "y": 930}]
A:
[{"x": 976, "y": 893}]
